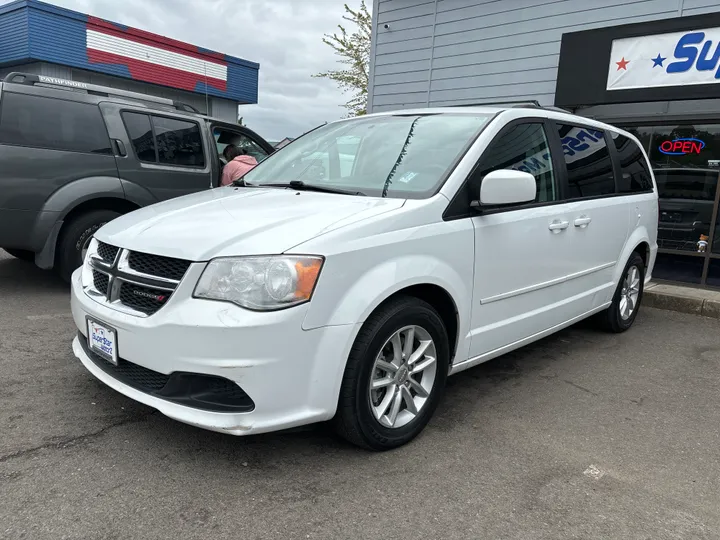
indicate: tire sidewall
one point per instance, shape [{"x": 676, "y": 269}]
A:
[
  {"x": 78, "y": 233},
  {"x": 636, "y": 261},
  {"x": 425, "y": 317}
]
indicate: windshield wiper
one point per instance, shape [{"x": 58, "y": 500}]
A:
[{"x": 302, "y": 186}]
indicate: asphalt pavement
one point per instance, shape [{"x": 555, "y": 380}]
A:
[{"x": 582, "y": 435}]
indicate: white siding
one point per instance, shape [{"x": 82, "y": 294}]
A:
[{"x": 451, "y": 52}]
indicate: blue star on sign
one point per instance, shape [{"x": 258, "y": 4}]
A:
[{"x": 658, "y": 61}]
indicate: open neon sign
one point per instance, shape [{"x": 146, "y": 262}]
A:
[{"x": 681, "y": 147}]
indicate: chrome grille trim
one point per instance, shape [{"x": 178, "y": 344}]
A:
[{"x": 120, "y": 273}]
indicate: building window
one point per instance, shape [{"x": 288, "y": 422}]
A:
[
  {"x": 52, "y": 124},
  {"x": 525, "y": 148},
  {"x": 167, "y": 141},
  {"x": 589, "y": 166}
]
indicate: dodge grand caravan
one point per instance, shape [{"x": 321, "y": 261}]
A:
[{"x": 295, "y": 296}]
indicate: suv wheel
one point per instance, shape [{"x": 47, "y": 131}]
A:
[
  {"x": 626, "y": 302},
  {"x": 22, "y": 254},
  {"x": 395, "y": 375},
  {"x": 75, "y": 239}
]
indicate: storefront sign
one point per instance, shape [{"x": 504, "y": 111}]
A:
[
  {"x": 674, "y": 59},
  {"x": 681, "y": 147}
]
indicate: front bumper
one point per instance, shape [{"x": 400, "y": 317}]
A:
[{"x": 292, "y": 375}]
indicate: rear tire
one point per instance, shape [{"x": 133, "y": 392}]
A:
[
  {"x": 22, "y": 254},
  {"x": 621, "y": 314},
  {"x": 75, "y": 238},
  {"x": 409, "y": 389}
]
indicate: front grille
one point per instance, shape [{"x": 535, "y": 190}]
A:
[
  {"x": 156, "y": 265},
  {"x": 101, "y": 282},
  {"x": 145, "y": 299},
  {"x": 200, "y": 391},
  {"x": 136, "y": 283},
  {"x": 107, "y": 252}
]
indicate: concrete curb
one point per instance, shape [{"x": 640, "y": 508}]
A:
[{"x": 683, "y": 299}]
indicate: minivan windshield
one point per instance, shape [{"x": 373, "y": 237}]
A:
[{"x": 400, "y": 156}]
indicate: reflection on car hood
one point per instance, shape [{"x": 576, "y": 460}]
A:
[{"x": 238, "y": 221}]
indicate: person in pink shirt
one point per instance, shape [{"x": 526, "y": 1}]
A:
[{"x": 239, "y": 163}]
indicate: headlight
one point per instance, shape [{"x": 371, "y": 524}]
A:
[{"x": 260, "y": 283}]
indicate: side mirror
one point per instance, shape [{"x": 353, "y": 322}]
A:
[{"x": 507, "y": 186}]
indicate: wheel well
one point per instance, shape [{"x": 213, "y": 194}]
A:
[
  {"x": 643, "y": 249},
  {"x": 443, "y": 303},
  {"x": 121, "y": 206}
]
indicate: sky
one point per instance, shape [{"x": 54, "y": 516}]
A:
[{"x": 283, "y": 36}]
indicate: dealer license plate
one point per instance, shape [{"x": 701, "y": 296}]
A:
[{"x": 103, "y": 341}]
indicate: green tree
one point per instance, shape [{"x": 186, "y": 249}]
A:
[{"x": 354, "y": 52}]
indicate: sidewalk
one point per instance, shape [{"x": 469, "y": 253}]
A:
[{"x": 685, "y": 299}]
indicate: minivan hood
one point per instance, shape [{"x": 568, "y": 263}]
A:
[{"x": 238, "y": 221}]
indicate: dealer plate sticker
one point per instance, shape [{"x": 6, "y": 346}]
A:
[{"x": 103, "y": 341}]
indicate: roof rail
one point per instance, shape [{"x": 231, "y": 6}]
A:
[
  {"x": 532, "y": 104},
  {"x": 524, "y": 103},
  {"x": 29, "y": 79}
]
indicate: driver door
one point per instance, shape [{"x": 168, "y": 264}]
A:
[{"x": 521, "y": 284}]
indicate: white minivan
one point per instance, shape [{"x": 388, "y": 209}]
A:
[{"x": 349, "y": 286}]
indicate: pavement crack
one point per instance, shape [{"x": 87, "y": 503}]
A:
[
  {"x": 71, "y": 441},
  {"x": 581, "y": 388}
]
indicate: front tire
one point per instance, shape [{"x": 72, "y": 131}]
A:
[
  {"x": 395, "y": 375},
  {"x": 75, "y": 238},
  {"x": 621, "y": 314}
]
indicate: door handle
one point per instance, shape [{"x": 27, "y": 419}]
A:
[
  {"x": 583, "y": 221},
  {"x": 120, "y": 148},
  {"x": 556, "y": 226}
]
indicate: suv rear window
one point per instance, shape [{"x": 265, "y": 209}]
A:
[
  {"x": 157, "y": 139},
  {"x": 54, "y": 124},
  {"x": 634, "y": 173},
  {"x": 589, "y": 166}
]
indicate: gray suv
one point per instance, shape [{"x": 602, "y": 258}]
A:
[{"x": 74, "y": 156}]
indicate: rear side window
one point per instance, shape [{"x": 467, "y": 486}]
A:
[
  {"x": 54, "y": 124},
  {"x": 141, "y": 135},
  {"x": 589, "y": 166},
  {"x": 167, "y": 141},
  {"x": 634, "y": 172},
  {"x": 178, "y": 142}
]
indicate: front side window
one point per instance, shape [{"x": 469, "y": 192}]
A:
[
  {"x": 524, "y": 148},
  {"x": 224, "y": 137},
  {"x": 403, "y": 156},
  {"x": 634, "y": 172},
  {"x": 54, "y": 124},
  {"x": 589, "y": 166}
]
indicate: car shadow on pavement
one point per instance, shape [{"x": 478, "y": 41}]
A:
[
  {"x": 16, "y": 275},
  {"x": 481, "y": 387}
]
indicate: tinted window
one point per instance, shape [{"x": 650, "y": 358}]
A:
[
  {"x": 52, "y": 123},
  {"x": 634, "y": 173},
  {"x": 140, "y": 132},
  {"x": 178, "y": 142},
  {"x": 524, "y": 148},
  {"x": 589, "y": 166}
]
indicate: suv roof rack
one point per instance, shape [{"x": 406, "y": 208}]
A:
[{"x": 29, "y": 79}]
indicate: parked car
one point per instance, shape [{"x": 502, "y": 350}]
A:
[
  {"x": 318, "y": 293},
  {"x": 74, "y": 156}
]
